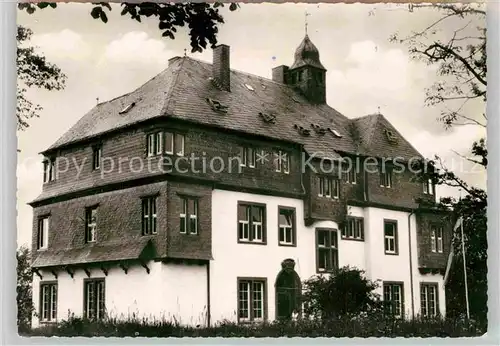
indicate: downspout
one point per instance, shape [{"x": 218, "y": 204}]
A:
[
  {"x": 411, "y": 265},
  {"x": 208, "y": 294}
]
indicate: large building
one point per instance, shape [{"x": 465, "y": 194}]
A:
[{"x": 209, "y": 194}]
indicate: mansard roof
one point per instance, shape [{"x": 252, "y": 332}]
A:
[{"x": 181, "y": 92}]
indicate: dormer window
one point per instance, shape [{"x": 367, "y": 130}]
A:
[
  {"x": 127, "y": 108},
  {"x": 335, "y": 132},
  {"x": 249, "y": 87},
  {"x": 391, "y": 136},
  {"x": 302, "y": 131},
  {"x": 216, "y": 105}
]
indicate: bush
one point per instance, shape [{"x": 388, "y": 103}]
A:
[
  {"x": 339, "y": 327},
  {"x": 24, "y": 293},
  {"x": 347, "y": 293}
]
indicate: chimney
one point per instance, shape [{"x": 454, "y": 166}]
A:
[
  {"x": 221, "y": 67},
  {"x": 279, "y": 74}
]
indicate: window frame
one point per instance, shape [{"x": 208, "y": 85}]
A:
[
  {"x": 293, "y": 228},
  {"x": 345, "y": 234},
  {"x": 436, "y": 235},
  {"x": 333, "y": 250},
  {"x": 156, "y": 143},
  {"x": 386, "y": 176},
  {"x": 330, "y": 183},
  {"x": 42, "y": 243},
  {"x": 279, "y": 163},
  {"x": 52, "y": 306},
  {"x": 391, "y": 285},
  {"x": 395, "y": 237},
  {"x": 248, "y": 212},
  {"x": 149, "y": 219},
  {"x": 88, "y": 224},
  {"x": 428, "y": 187},
  {"x": 96, "y": 163},
  {"x": 250, "y": 281},
  {"x": 49, "y": 167},
  {"x": 187, "y": 216},
  {"x": 95, "y": 281},
  {"x": 426, "y": 286}
]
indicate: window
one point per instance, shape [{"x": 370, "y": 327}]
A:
[
  {"x": 90, "y": 224},
  {"x": 48, "y": 302},
  {"x": 385, "y": 176},
  {"x": 354, "y": 228},
  {"x": 428, "y": 187},
  {"x": 96, "y": 157},
  {"x": 172, "y": 143},
  {"x": 251, "y": 223},
  {"x": 149, "y": 216},
  {"x": 94, "y": 299},
  {"x": 189, "y": 215},
  {"x": 328, "y": 187},
  {"x": 49, "y": 170},
  {"x": 43, "y": 233},
  {"x": 394, "y": 299},
  {"x": 429, "y": 304},
  {"x": 437, "y": 239},
  {"x": 247, "y": 157},
  {"x": 286, "y": 224},
  {"x": 349, "y": 173},
  {"x": 281, "y": 162},
  {"x": 327, "y": 250},
  {"x": 391, "y": 237},
  {"x": 251, "y": 300}
]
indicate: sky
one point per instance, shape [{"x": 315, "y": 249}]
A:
[{"x": 366, "y": 73}]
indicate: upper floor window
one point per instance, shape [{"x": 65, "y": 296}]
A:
[
  {"x": 251, "y": 223},
  {"x": 96, "y": 157},
  {"x": 49, "y": 170},
  {"x": 90, "y": 224},
  {"x": 171, "y": 143},
  {"x": 429, "y": 304},
  {"x": 94, "y": 299},
  {"x": 48, "y": 302},
  {"x": 354, "y": 228},
  {"x": 327, "y": 253},
  {"x": 149, "y": 215},
  {"x": 282, "y": 162},
  {"x": 174, "y": 143},
  {"x": 43, "y": 233},
  {"x": 189, "y": 215},
  {"x": 394, "y": 299},
  {"x": 247, "y": 157},
  {"x": 437, "y": 239},
  {"x": 287, "y": 228},
  {"x": 385, "y": 176},
  {"x": 428, "y": 187},
  {"x": 328, "y": 187},
  {"x": 349, "y": 173},
  {"x": 251, "y": 299},
  {"x": 391, "y": 237}
]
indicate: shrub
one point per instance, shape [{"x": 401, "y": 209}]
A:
[
  {"x": 24, "y": 292},
  {"x": 347, "y": 293}
]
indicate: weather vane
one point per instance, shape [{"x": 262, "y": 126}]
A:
[
  {"x": 307, "y": 14},
  {"x": 185, "y": 50}
]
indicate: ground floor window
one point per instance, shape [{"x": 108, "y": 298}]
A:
[
  {"x": 94, "y": 298},
  {"x": 429, "y": 303},
  {"x": 251, "y": 299},
  {"x": 48, "y": 302},
  {"x": 393, "y": 299}
]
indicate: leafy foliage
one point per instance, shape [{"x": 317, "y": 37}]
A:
[
  {"x": 341, "y": 327},
  {"x": 24, "y": 291},
  {"x": 201, "y": 18},
  {"x": 33, "y": 70},
  {"x": 347, "y": 293}
]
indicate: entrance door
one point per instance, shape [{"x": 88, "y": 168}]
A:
[{"x": 287, "y": 294}]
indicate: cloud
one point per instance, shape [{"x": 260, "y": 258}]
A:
[
  {"x": 136, "y": 47},
  {"x": 62, "y": 45}
]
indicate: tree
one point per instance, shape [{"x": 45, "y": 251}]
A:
[
  {"x": 33, "y": 70},
  {"x": 460, "y": 58},
  {"x": 348, "y": 292},
  {"x": 24, "y": 292}
]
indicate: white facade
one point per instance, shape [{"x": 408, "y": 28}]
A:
[{"x": 184, "y": 293}]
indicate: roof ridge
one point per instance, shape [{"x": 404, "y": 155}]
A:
[{"x": 172, "y": 85}]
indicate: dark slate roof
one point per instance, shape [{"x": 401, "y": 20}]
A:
[
  {"x": 307, "y": 54},
  {"x": 105, "y": 252},
  {"x": 181, "y": 91}
]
